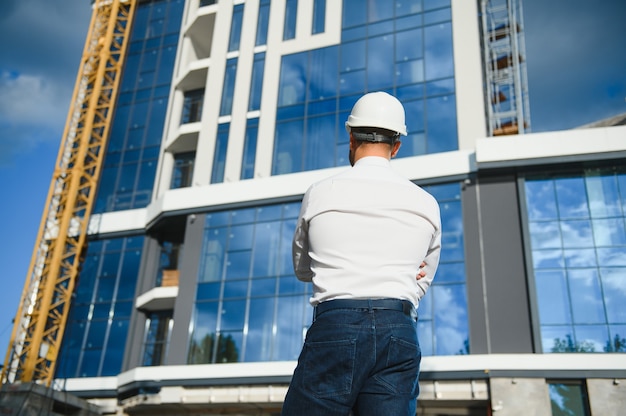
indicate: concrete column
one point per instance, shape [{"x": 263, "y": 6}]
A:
[
  {"x": 606, "y": 396},
  {"x": 520, "y": 397}
]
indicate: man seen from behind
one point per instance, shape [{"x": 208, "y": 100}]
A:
[{"x": 361, "y": 238}]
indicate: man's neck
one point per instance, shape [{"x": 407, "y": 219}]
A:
[{"x": 370, "y": 149}]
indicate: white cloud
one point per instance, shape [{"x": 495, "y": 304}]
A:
[
  {"x": 32, "y": 111},
  {"x": 32, "y": 100},
  {"x": 38, "y": 67}
]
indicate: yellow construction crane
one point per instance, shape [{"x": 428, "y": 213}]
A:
[{"x": 61, "y": 242}]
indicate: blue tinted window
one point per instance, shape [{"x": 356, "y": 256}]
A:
[
  {"x": 288, "y": 149},
  {"x": 322, "y": 83},
  {"x": 383, "y": 48},
  {"x": 244, "y": 256},
  {"x": 229, "y": 87},
  {"x": 157, "y": 337},
  {"x": 353, "y": 56},
  {"x": 203, "y": 339},
  {"x": 435, "y": 4},
  {"x": 94, "y": 342},
  {"x": 409, "y": 45},
  {"x": 166, "y": 65},
  {"x": 249, "y": 149},
  {"x": 182, "y": 174},
  {"x": 174, "y": 16},
  {"x": 318, "y": 152},
  {"x": 256, "y": 86},
  {"x": 219, "y": 157},
  {"x": 291, "y": 14},
  {"x": 262, "y": 23},
  {"x": 568, "y": 398},
  {"x": 293, "y": 73},
  {"x": 126, "y": 181},
  {"x": 408, "y": 7},
  {"x": 379, "y": 10},
  {"x": 319, "y": 16},
  {"x": 577, "y": 229},
  {"x": 142, "y": 14},
  {"x": 443, "y": 324},
  {"x": 438, "y": 51},
  {"x": 354, "y": 13},
  {"x": 235, "y": 28},
  {"x": 441, "y": 124},
  {"x": 192, "y": 106},
  {"x": 437, "y": 16},
  {"x": 380, "y": 68}
]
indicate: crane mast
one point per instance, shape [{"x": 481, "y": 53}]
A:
[
  {"x": 61, "y": 241},
  {"x": 506, "y": 83}
]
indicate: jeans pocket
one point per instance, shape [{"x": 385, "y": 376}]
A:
[
  {"x": 401, "y": 373},
  {"x": 329, "y": 367}
]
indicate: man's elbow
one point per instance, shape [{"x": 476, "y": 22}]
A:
[{"x": 304, "y": 275}]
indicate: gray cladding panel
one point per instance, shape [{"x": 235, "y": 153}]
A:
[{"x": 506, "y": 291}]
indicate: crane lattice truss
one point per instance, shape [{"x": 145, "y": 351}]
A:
[
  {"x": 504, "y": 53},
  {"x": 61, "y": 241}
]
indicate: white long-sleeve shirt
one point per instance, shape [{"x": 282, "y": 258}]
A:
[{"x": 362, "y": 234}]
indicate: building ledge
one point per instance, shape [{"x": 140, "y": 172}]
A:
[
  {"x": 473, "y": 366},
  {"x": 551, "y": 147},
  {"x": 157, "y": 299}
]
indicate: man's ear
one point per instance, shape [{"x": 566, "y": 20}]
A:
[
  {"x": 352, "y": 142},
  {"x": 395, "y": 147}
]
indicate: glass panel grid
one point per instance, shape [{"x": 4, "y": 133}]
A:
[
  {"x": 245, "y": 274},
  {"x": 443, "y": 327},
  {"x": 380, "y": 50},
  {"x": 577, "y": 229},
  {"x": 247, "y": 289},
  {"x": 132, "y": 151},
  {"x": 97, "y": 326}
]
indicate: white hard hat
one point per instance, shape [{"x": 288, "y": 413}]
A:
[{"x": 378, "y": 109}]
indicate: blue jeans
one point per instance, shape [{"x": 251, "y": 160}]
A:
[{"x": 361, "y": 359}]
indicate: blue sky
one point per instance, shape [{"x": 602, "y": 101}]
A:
[{"x": 575, "y": 54}]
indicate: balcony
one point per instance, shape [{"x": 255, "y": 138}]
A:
[{"x": 162, "y": 297}]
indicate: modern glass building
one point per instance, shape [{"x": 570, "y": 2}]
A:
[{"x": 229, "y": 110}]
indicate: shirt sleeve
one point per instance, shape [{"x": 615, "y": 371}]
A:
[
  {"x": 432, "y": 262},
  {"x": 300, "y": 245}
]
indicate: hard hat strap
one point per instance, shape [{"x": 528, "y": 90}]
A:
[{"x": 375, "y": 137}]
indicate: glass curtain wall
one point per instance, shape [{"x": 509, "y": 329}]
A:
[
  {"x": 97, "y": 327},
  {"x": 249, "y": 305},
  {"x": 404, "y": 48},
  {"x": 133, "y": 150},
  {"x": 577, "y": 228},
  {"x": 443, "y": 320}
]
